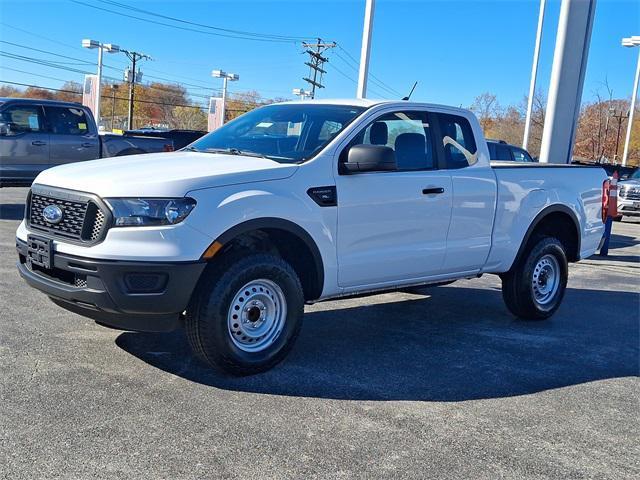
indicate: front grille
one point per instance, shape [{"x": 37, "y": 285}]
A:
[
  {"x": 72, "y": 219},
  {"x": 83, "y": 219},
  {"x": 630, "y": 193}
]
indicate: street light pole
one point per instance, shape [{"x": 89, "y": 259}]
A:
[
  {"x": 109, "y": 47},
  {"x": 631, "y": 42},
  {"x": 534, "y": 73},
  {"x": 225, "y": 77},
  {"x": 363, "y": 73}
]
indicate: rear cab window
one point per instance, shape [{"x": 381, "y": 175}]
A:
[
  {"x": 458, "y": 142},
  {"x": 67, "y": 120}
]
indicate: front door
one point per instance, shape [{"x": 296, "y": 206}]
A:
[
  {"x": 392, "y": 225},
  {"x": 24, "y": 143},
  {"x": 72, "y": 138}
]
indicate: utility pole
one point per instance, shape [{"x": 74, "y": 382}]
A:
[
  {"x": 620, "y": 117},
  {"x": 132, "y": 77},
  {"x": 315, "y": 63},
  {"x": 367, "y": 29},
  {"x": 114, "y": 89},
  {"x": 534, "y": 73},
  {"x": 610, "y": 112}
]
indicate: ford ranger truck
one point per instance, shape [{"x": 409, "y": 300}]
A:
[{"x": 299, "y": 202}]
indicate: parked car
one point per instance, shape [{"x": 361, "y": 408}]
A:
[
  {"x": 629, "y": 196},
  {"x": 300, "y": 202},
  {"x": 180, "y": 138},
  {"x": 38, "y": 134},
  {"x": 501, "y": 150}
]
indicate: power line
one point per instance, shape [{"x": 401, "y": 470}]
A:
[
  {"x": 374, "y": 79},
  {"x": 351, "y": 79},
  {"x": 46, "y": 63},
  {"x": 102, "y": 96},
  {"x": 181, "y": 28},
  {"x": 175, "y": 19}
]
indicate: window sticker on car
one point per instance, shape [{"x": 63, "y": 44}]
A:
[
  {"x": 471, "y": 158},
  {"x": 82, "y": 126}
]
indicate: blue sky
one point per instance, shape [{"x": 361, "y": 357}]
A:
[{"x": 455, "y": 50}]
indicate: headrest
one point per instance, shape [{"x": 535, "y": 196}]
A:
[{"x": 379, "y": 134}]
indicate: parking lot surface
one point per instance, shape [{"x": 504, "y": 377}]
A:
[{"x": 442, "y": 385}]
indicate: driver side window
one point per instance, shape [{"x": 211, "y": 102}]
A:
[{"x": 407, "y": 133}]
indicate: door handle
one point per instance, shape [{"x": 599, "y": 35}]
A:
[
  {"x": 432, "y": 190},
  {"x": 38, "y": 143},
  {"x": 87, "y": 145}
]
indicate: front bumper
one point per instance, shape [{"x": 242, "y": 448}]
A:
[
  {"x": 628, "y": 207},
  {"x": 141, "y": 296}
]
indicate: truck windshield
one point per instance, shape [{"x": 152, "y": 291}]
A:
[{"x": 286, "y": 133}]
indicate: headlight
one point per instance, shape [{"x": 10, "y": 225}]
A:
[{"x": 147, "y": 212}]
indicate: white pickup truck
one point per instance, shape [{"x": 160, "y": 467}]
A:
[{"x": 301, "y": 202}]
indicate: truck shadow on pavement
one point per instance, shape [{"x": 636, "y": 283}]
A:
[
  {"x": 11, "y": 211},
  {"x": 458, "y": 344}
]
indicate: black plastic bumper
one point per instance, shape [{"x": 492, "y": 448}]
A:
[{"x": 141, "y": 296}]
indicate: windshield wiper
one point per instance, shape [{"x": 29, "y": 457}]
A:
[
  {"x": 236, "y": 151},
  {"x": 189, "y": 148}
]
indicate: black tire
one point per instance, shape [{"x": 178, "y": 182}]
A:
[
  {"x": 517, "y": 284},
  {"x": 207, "y": 325}
]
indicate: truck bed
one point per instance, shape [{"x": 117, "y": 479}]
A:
[{"x": 510, "y": 164}]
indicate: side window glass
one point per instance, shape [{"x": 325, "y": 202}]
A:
[
  {"x": 67, "y": 121},
  {"x": 518, "y": 155},
  {"x": 457, "y": 139},
  {"x": 502, "y": 153},
  {"x": 407, "y": 133},
  {"x": 21, "y": 119}
]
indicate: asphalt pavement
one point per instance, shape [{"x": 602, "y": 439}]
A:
[{"x": 442, "y": 385}]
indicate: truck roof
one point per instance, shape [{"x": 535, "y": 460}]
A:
[
  {"x": 366, "y": 102},
  {"x": 38, "y": 101}
]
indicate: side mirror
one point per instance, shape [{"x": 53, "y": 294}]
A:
[
  {"x": 4, "y": 129},
  {"x": 369, "y": 158}
]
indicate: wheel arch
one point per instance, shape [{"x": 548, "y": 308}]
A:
[
  {"x": 558, "y": 221},
  {"x": 287, "y": 237}
]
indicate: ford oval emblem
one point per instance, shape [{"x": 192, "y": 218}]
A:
[{"x": 52, "y": 214}]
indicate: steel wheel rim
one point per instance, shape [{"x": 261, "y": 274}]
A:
[
  {"x": 545, "y": 280},
  {"x": 257, "y": 315}
]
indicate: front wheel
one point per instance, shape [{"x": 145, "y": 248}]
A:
[
  {"x": 533, "y": 289},
  {"x": 245, "y": 314}
]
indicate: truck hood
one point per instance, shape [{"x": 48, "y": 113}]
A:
[
  {"x": 629, "y": 183},
  {"x": 162, "y": 174}
]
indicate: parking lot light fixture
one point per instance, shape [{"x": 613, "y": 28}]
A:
[
  {"x": 109, "y": 47},
  {"x": 631, "y": 42},
  {"x": 234, "y": 77},
  {"x": 302, "y": 93}
]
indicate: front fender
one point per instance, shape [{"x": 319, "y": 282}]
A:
[{"x": 225, "y": 212}]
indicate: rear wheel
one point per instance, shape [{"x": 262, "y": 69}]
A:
[
  {"x": 534, "y": 288},
  {"x": 246, "y": 314}
]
